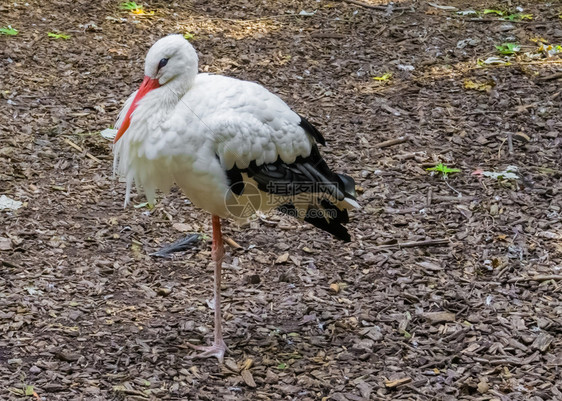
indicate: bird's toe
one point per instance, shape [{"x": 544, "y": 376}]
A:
[{"x": 217, "y": 350}]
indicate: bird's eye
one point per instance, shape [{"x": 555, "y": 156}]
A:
[{"x": 162, "y": 63}]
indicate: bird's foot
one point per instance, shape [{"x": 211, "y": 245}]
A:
[{"x": 216, "y": 350}]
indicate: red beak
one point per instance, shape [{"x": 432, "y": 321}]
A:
[{"x": 147, "y": 85}]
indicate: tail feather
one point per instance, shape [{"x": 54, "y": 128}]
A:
[
  {"x": 326, "y": 217},
  {"x": 348, "y": 186}
]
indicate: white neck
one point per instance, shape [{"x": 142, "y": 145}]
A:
[
  {"x": 155, "y": 106},
  {"x": 181, "y": 84}
]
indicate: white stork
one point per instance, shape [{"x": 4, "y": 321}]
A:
[{"x": 229, "y": 145}]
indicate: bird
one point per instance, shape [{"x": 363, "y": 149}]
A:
[{"x": 234, "y": 149}]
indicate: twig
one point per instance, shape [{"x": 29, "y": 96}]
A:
[
  {"x": 232, "y": 243},
  {"x": 498, "y": 361},
  {"x": 540, "y": 277},
  {"x": 130, "y": 391},
  {"x": 500, "y": 149},
  {"x": 318, "y": 299},
  {"x": 499, "y": 20},
  {"x": 325, "y": 35},
  {"x": 407, "y": 210},
  {"x": 413, "y": 244},
  {"x": 373, "y": 7},
  {"x": 440, "y": 362},
  {"x": 405, "y": 156},
  {"x": 243, "y": 21},
  {"x": 456, "y": 334},
  {"x": 391, "y": 142},
  {"x": 10, "y": 264},
  {"x": 510, "y": 143},
  {"x": 415, "y": 389},
  {"x": 380, "y": 31},
  {"x": 447, "y": 198},
  {"x": 418, "y": 157},
  {"x": 556, "y": 75},
  {"x": 481, "y": 67},
  {"x": 79, "y": 149},
  {"x": 498, "y": 394},
  {"x": 449, "y": 185}
]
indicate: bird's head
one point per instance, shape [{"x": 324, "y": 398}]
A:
[{"x": 170, "y": 60}]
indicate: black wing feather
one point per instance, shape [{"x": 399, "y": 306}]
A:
[
  {"x": 311, "y": 130},
  {"x": 308, "y": 174}
]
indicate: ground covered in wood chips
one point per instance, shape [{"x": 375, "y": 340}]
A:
[{"x": 450, "y": 289}]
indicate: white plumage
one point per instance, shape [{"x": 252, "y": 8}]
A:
[
  {"x": 236, "y": 120},
  {"x": 222, "y": 141}
]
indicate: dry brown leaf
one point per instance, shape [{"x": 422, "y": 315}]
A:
[
  {"x": 5, "y": 244},
  {"x": 483, "y": 386},
  {"x": 479, "y": 86},
  {"x": 282, "y": 258},
  {"x": 248, "y": 378},
  {"x": 182, "y": 227},
  {"x": 521, "y": 136},
  {"x": 248, "y": 363},
  {"x": 231, "y": 365}
]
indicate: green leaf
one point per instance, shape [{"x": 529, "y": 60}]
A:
[
  {"x": 518, "y": 17},
  {"x": 8, "y": 30},
  {"x": 384, "y": 77},
  {"x": 491, "y": 11},
  {"x": 28, "y": 390},
  {"x": 443, "y": 169},
  {"x": 282, "y": 366},
  {"x": 508, "y": 48},
  {"x": 188, "y": 36},
  {"x": 144, "y": 204},
  {"x": 58, "y": 35},
  {"x": 130, "y": 6}
]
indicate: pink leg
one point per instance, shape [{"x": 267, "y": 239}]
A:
[{"x": 219, "y": 347}]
